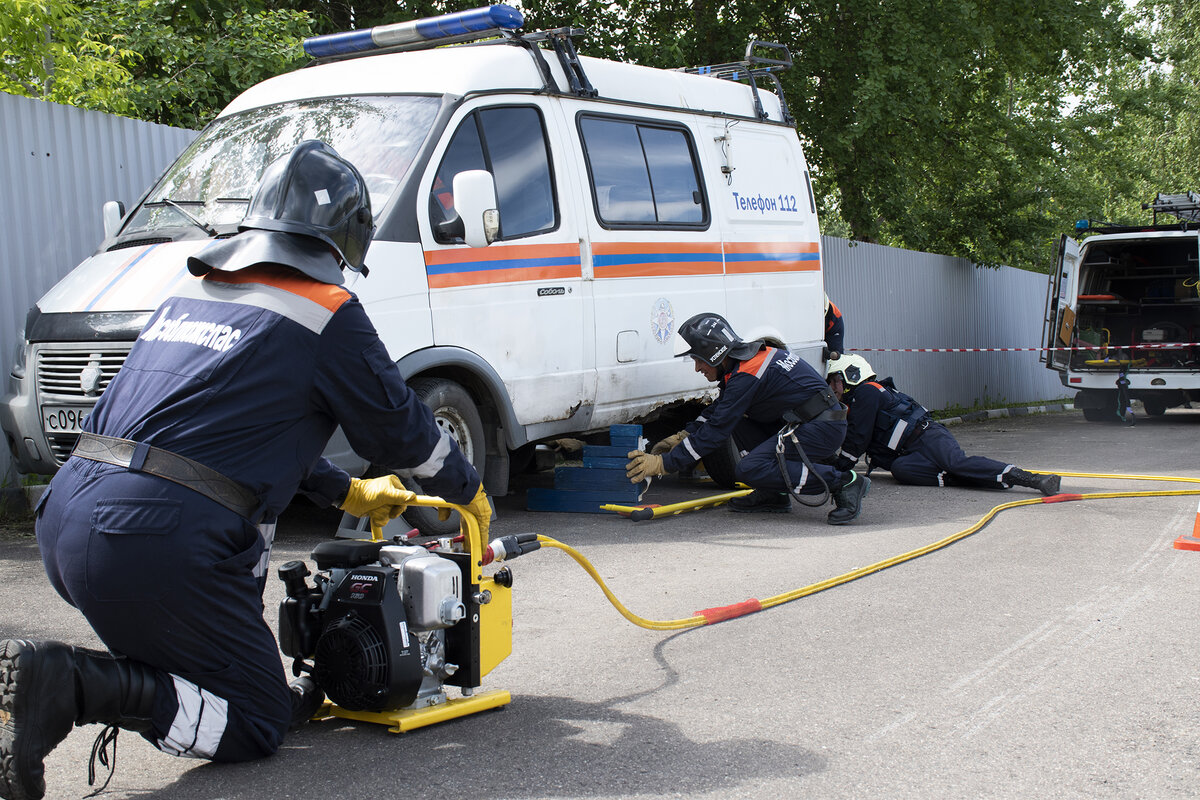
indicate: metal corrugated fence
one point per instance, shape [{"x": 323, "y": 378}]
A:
[
  {"x": 894, "y": 298},
  {"x": 59, "y": 164}
]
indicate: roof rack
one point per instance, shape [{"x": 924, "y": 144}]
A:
[
  {"x": 1185, "y": 206},
  {"x": 751, "y": 68}
]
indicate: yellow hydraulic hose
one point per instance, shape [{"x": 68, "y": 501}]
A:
[{"x": 722, "y": 613}]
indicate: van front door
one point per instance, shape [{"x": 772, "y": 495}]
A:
[{"x": 515, "y": 303}]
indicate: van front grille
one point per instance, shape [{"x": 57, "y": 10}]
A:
[{"x": 78, "y": 373}]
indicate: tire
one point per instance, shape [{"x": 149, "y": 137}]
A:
[
  {"x": 455, "y": 413},
  {"x": 1098, "y": 405},
  {"x": 1155, "y": 407},
  {"x": 721, "y": 464}
]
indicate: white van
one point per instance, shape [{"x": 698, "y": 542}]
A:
[
  {"x": 629, "y": 199},
  {"x": 1123, "y": 312}
]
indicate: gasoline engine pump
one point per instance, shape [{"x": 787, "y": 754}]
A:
[{"x": 386, "y": 626}]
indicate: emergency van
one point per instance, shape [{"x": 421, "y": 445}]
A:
[
  {"x": 1123, "y": 312},
  {"x": 544, "y": 222}
]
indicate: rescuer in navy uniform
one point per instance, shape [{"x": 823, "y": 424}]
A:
[
  {"x": 835, "y": 331},
  {"x": 160, "y": 526},
  {"x": 765, "y": 393},
  {"x": 897, "y": 434}
]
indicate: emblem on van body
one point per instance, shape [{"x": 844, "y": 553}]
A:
[
  {"x": 89, "y": 377},
  {"x": 662, "y": 320}
]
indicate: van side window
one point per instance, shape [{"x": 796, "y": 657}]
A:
[
  {"x": 510, "y": 143},
  {"x": 643, "y": 174}
]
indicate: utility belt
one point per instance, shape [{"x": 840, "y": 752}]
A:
[
  {"x": 823, "y": 406},
  {"x": 142, "y": 457}
]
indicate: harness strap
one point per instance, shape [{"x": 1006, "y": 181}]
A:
[{"x": 142, "y": 457}]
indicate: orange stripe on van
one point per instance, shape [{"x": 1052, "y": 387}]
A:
[
  {"x": 748, "y": 257},
  {"x": 656, "y": 259},
  {"x": 468, "y": 266},
  {"x": 325, "y": 295}
]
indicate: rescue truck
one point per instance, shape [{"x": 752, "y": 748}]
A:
[
  {"x": 544, "y": 222},
  {"x": 1123, "y": 312}
]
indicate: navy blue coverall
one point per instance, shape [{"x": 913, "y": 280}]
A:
[
  {"x": 899, "y": 435},
  {"x": 835, "y": 329},
  {"x": 754, "y": 395},
  {"x": 248, "y": 373}
]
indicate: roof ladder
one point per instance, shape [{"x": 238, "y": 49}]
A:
[
  {"x": 754, "y": 66},
  {"x": 1185, "y": 206}
]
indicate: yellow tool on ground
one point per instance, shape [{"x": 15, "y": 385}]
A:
[{"x": 639, "y": 513}]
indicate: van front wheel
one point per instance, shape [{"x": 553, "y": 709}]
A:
[{"x": 455, "y": 414}]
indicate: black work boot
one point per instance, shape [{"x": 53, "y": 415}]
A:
[
  {"x": 307, "y": 699},
  {"x": 37, "y": 711},
  {"x": 848, "y": 499},
  {"x": 1046, "y": 484},
  {"x": 760, "y": 500},
  {"x": 48, "y": 687}
]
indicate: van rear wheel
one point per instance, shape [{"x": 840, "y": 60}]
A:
[{"x": 455, "y": 414}]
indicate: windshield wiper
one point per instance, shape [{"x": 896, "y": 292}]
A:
[{"x": 199, "y": 223}]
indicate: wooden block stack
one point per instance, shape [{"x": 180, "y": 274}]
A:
[{"x": 600, "y": 480}]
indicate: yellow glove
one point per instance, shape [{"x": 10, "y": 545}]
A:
[
  {"x": 668, "y": 444},
  {"x": 482, "y": 510},
  {"x": 643, "y": 465},
  {"x": 381, "y": 499}
]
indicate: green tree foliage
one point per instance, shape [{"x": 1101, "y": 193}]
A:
[
  {"x": 193, "y": 58},
  {"x": 47, "y": 52},
  {"x": 1143, "y": 121},
  {"x": 167, "y": 61}
]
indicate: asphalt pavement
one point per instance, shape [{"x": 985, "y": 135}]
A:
[{"x": 1051, "y": 654}]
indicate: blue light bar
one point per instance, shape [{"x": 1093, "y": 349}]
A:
[{"x": 448, "y": 26}]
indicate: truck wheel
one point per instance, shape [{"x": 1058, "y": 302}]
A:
[
  {"x": 1098, "y": 405},
  {"x": 721, "y": 464},
  {"x": 455, "y": 413},
  {"x": 1154, "y": 406}
]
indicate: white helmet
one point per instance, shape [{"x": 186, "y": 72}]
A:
[
  {"x": 826, "y": 303},
  {"x": 853, "y": 369}
]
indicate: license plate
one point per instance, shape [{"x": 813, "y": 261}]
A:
[{"x": 64, "y": 419}]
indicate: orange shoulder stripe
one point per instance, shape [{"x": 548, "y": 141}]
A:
[{"x": 325, "y": 295}]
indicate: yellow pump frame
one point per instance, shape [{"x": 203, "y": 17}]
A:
[{"x": 495, "y": 640}]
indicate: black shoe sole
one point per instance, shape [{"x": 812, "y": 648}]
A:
[{"x": 11, "y": 787}]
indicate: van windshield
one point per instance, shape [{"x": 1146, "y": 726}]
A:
[{"x": 213, "y": 179}]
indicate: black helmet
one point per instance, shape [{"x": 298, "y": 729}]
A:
[
  {"x": 315, "y": 192},
  {"x": 312, "y": 192},
  {"x": 708, "y": 337}
]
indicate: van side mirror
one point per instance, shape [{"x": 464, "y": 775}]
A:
[
  {"x": 475, "y": 204},
  {"x": 112, "y": 213}
]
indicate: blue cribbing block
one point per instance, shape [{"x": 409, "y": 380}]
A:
[
  {"x": 592, "y": 479},
  {"x": 625, "y": 430},
  {"x": 559, "y": 500},
  {"x": 598, "y": 451},
  {"x": 625, "y": 443},
  {"x": 606, "y": 463}
]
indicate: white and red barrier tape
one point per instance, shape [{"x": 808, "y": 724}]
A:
[{"x": 1162, "y": 346}]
